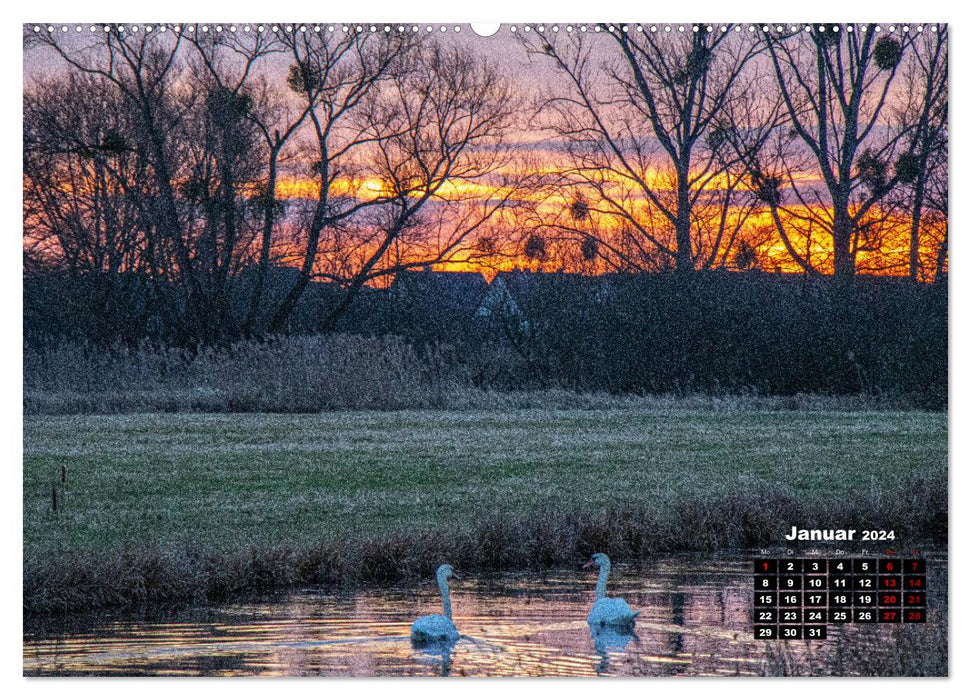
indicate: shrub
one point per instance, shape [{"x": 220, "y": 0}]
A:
[{"x": 283, "y": 374}]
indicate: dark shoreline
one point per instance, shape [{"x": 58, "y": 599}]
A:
[{"x": 73, "y": 582}]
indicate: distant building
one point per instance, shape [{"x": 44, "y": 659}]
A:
[
  {"x": 439, "y": 291},
  {"x": 519, "y": 294}
]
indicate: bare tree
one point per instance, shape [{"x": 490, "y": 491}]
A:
[
  {"x": 835, "y": 83},
  {"x": 438, "y": 157},
  {"x": 333, "y": 74},
  {"x": 924, "y": 117},
  {"x": 79, "y": 175},
  {"x": 402, "y": 141},
  {"x": 409, "y": 142},
  {"x": 143, "y": 71},
  {"x": 634, "y": 121},
  {"x": 230, "y": 148},
  {"x": 936, "y": 204},
  {"x": 82, "y": 225},
  {"x": 278, "y": 123}
]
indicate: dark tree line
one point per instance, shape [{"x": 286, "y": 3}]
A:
[{"x": 714, "y": 332}]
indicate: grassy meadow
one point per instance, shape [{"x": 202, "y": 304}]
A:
[{"x": 171, "y": 507}]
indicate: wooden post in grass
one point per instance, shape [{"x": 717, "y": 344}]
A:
[
  {"x": 63, "y": 474},
  {"x": 54, "y": 498}
]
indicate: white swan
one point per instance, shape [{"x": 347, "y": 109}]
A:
[
  {"x": 607, "y": 612},
  {"x": 437, "y": 628}
]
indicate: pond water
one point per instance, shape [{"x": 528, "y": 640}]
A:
[{"x": 694, "y": 620}]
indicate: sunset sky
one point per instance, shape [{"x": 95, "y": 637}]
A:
[{"x": 534, "y": 78}]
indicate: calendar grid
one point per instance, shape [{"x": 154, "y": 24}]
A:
[{"x": 798, "y": 598}]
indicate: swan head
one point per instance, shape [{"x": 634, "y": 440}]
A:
[
  {"x": 599, "y": 560},
  {"x": 445, "y": 572}
]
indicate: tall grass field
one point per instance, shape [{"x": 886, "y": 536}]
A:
[{"x": 157, "y": 508}]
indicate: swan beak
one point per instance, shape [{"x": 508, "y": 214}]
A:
[{"x": 588, "y": 564}]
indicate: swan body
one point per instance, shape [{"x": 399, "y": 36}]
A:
[
  {"x": 437, "y": 628},
  {"x": 433, "y": 628},
  {"x": 615, "y": 613},
  {"x": 611, "y": 612}
]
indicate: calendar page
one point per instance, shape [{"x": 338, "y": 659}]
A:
[{"x": 443, "y": 349}]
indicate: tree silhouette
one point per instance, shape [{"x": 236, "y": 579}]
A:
[
  {"x": 639, "y": 114},
  {"x": 834, "y": 83}
]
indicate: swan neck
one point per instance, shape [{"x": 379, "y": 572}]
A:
[
  {"x": 602, "y": 582},
  {"x": 446, "y": 596}
]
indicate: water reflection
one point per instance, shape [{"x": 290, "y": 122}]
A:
[
  {"x": 605, "y": 641},
  {"x": 694, "y": 620},
  {"x": 438, "y": 654}
]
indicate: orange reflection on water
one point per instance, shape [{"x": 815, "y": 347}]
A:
[{"x": 695, "y": 620}]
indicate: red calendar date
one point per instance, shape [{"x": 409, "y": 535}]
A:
[
  {"x": 915, "y": 599},
  {"x": 915, "y": 615}
]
